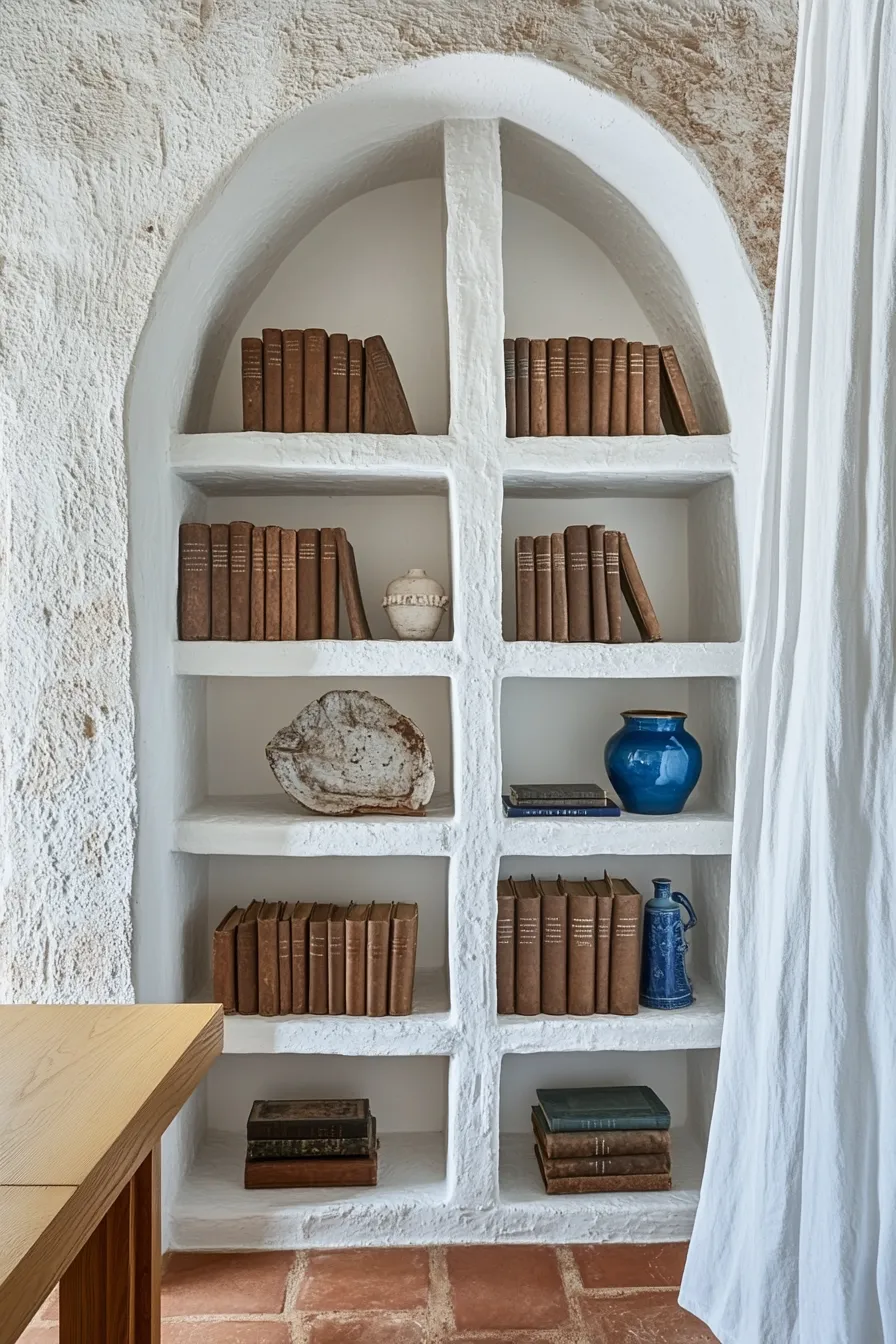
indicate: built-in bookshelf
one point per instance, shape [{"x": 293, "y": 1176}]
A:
[{"x": 498, "y": 194}]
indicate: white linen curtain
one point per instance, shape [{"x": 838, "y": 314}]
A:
[{"x": 795, "y": 1239}]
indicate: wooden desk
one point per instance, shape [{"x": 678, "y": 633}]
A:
[{"x": 85, "y": 1095}]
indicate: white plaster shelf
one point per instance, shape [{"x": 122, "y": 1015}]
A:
[
  {"x": 544, "y": 659},
  {"x": 272, "y": 824},
  {"x": 696, "y": 1028},
  {"x": 662, "y": 464},
  {"x": 687, "y": 833},
  {"x": 315, "y": 658}
]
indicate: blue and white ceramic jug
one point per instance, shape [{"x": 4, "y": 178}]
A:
[{"x": 664, "y": 977}]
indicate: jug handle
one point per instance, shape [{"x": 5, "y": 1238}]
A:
[{"x": 683, "y": 900}]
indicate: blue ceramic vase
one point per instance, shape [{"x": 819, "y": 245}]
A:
[
  {"x": 653, "y": 762},
  {"x": 664, "y": 976}
]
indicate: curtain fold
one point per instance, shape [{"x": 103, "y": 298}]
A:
[{"x": 795, "y": 1237}]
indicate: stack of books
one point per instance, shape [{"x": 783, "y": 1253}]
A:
[
  {"x": 558, "y": 800},
  {"x": 298, "y": 382},
  {"x": 592, "y": 1140},
  {"x": 238, "y": 581},
  {"x": 295, "y": 1145},
  {"x": 585, "y": 386},
  {"x": 570, "y": 586},
  {"x": 568, "y": 947},
  {"x": 279, "y": 957}
]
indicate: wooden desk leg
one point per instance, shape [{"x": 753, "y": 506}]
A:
[
  {"x": 148, "y": 1248},
  {"x": 96, "y": 1293}
]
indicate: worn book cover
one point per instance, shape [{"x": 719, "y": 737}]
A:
[
  {"x": 320, "y": 1118},
  {"x": 224, "y": 960},
  {"x": 625, "y": 946},
  {"x": 600, "y": 1143},
  {"x": 553, "y": 948},
  {"x": 593, "y": 1185},
  {"x": 311, "y": 1173},
  {"x": 634, "y": 1106},
  {"x": 528, "y": 947},
  {"x": 274, "y": 1150},
  {"x": 524, "y": 554},
  {"x": 506, "y": 947}
]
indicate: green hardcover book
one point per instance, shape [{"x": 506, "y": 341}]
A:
[
  {"x": 279, "y": 1150},
  {"x": 571, "y": 1109}
]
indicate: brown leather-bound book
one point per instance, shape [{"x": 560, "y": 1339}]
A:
[
  {"x": 524, "y": 557},
  {"x": 521, "y": 346},
  {"x": 220, "y": 546},
  {"x": 386, "y": 410},
  {"x": 557, "y": 385},
  {"x": 676, "y": 406},
  {"x": 543, "y": 624},
  {"x": 604, "y": 899},
  {"x": 299, "y": 922},
  {"x": 315, "y": 388},
  {"x": 318, "y": 979},
  {"x": 336, "y": 959},
  {"x": 635, "y": 594},
  {"x": 194, "y": 594},
  {"x": 355, "y": 387},
  {"x": 253, "y": 385},
  {"x": 538, "y": 388},
  {"x": 593, "y": 1185},
  {"x": 614, "y": 586},
  {"x": 288, "y": 606},
  {"x": 272, "y": 355},
  {"x": 619, "y": 388},
  {"x": 653, "y": 423},
  {"x": 329, "y": 585},
  {"x": 553, "y": 948},
  {"x": 625, "y": 946},
  {"x": 509, "y": 388},
  {"x": 402, "y": 958},
  {"x": 601, "y": 1143},
  {"x": 582, "y": 919},
  {"x": 506, "y": 940},
  {"x": 351, "y": 588},
  {"x": 600, "y": 628},
  {"x": 256, "y": 584},
  {"x": 293, "y": 381},
  {"x": 578, "y": 584},
  {"x": 635, "y": 411},
  {"x": 310, "y": 1173},
  {"x": 639, "y": 1164},
  {"x": 528, "y": 948},
  {"x": 378, "y": 927},
  {"x": 240, "y": 543},
  {"x": 269, "y": 959},
  {"x": 578, "y": 385},
  {"x": 601, "y": 378},
  {"x": 337, "y": 383},
  {"x": 356, "y": 960},
  {"x": 308, "y": 583},
  {"x": 559, "y": 608},
  {"x": 247, "y": 960},
  {"x": 284, "y": 955},
  {"x": 224, "y": 960},
  {"x": 272, "y": 583}
]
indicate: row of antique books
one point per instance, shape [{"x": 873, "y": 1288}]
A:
[
  {"x": 570, "y": 586},
  {"x": 568, "y": 947},
  {"x": 237, "y": 581},
  {"x": 294, "y": 1145},
  {"x": 594, "y": 1140},
  {"x": 280, "y": 957},
  {"x": 305, "y": 381},
  {"x": 600, "y": 386}
]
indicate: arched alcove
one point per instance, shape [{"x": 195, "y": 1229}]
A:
[{"x": 454, "y": 1076}]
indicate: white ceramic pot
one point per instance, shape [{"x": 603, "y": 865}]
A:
[{"x": 415, "y": 604}]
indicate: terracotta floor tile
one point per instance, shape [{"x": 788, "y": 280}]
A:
[
  {"x": 642, "y": 1318},
  {"x": 378, "y": 1280},
  {"x": 364, "y": 1330},
  {"x": 506, "y": 1288},
  {"x": 223, "y": 1285},
  {"x": 620, "y": 1266},
  {"x": 225, "y": 1332}
]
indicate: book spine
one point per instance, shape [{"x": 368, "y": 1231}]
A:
[
  {"x": 635, "y": 409},
  {"x": 544, "y": 628},
  {"x": 377, "y": 967},
  {"x": 675, "y": 399},
  {"x": 299, "y": 941},
  {"x": 224, "y": 968},
  {"x": 635, "y": 594},
  {"x": 318, "y": 986},
  {"x": 538, "y": 388},
  {"x": 268, "y": 967},
  {"x": 351, "y": 587},
  {"x": 602, "y": 954},
  {"x": 253, "y": 385},
  {"x": 510, "y": 388},
  {"x": 402, "y": 961},
  {"x": 559, "y": 609},
  {"x": 316, "y": 1130},
  {"x": 308, "y": 583},
  {"x": 590, "y": 1124},
  {"x": 310, "y": 1173},
  {"x": 559, "y": 810},
  {"x": 220, "y": 548},
  {"x": 557, "y": 385},
  {"x": 355, "y": 391},
  {"x": 240, "y": 543},
  {"x": 528, "y": 955},
  {"x": 601, "y": 379},
  {"x": 553, "y": 953},
  {"x": 315, "y": 389},
  {"x": 578, "y": 584},
  {"x": 278, "y": 1150},
  {"x": 272, "y": 341},
  {"x": 194, "y": 594},
  {"x": 625, "y": 953},
  {"x": 336, "y": 963},
  {"x": 614, "y": 586},
  {"x": 337, "y": 384},
  {"x": 256, "y": 584},
  {"x": 272, "y": 583},
  {"x": 247, "y": 966},
  {"x": 522, "y": 386},
  {"x": 356, "y": 967},
  {"x": 578, "y": 385},
  {"x": 284, "y": 962},
  {"x": 639, "y": 1164},
  {"x": 619, "y": 388},
  {"x": 653, "y": 423},
  {"x": 599, "y": 623},
  {"x": 582, "y": 914},
  {"x": 392, "y": 415},
  {"x": 605, "y": 1185},
  {"x": 524, "y": 556},
  {"x": 288, "y": 577},
  {"x": 612, "y": 1143},
  {"x": 293, "y": 382},
  {"x": 506, "y": 948},
  {"x": 329, "y": 585}
]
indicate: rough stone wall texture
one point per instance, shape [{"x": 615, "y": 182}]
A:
[{"x": 116, "y": 118}]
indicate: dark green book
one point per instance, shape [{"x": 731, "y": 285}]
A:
[
  {"x": 570, "y": 1109},
  {"x": 284, "y": 1150}
]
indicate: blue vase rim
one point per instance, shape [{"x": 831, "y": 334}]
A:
[{"x": 654, "y": 714}]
